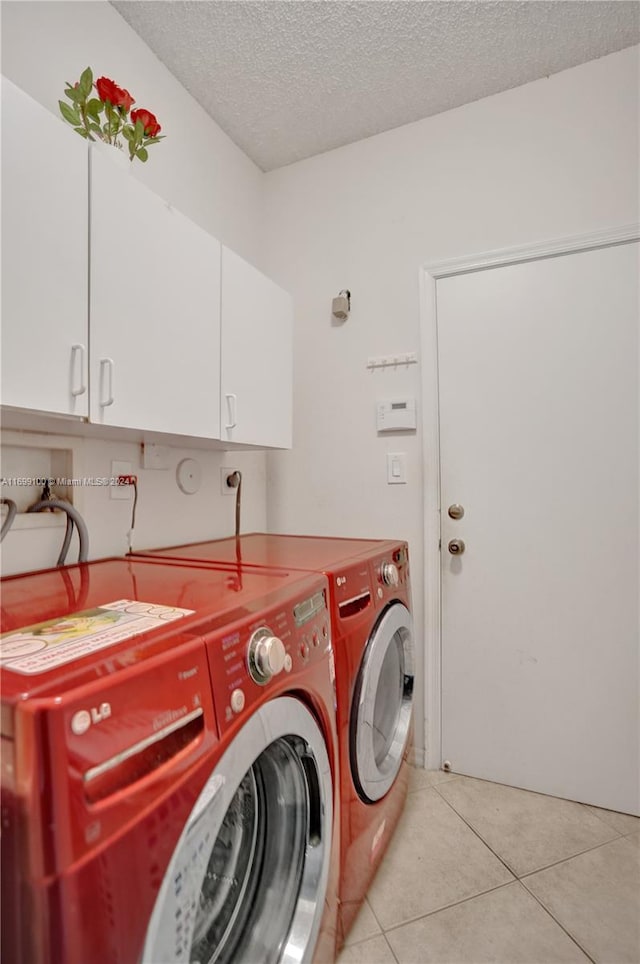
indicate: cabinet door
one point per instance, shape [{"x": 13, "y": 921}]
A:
[
  {"x": 154, "y": 313},
  {"x": 44, "y": 258},
  {"x": 257, "y": 364}
]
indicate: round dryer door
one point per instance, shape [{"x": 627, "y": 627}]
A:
[
  {"x": 381, "y": 711},
  {"x": 248, "y": 878}
]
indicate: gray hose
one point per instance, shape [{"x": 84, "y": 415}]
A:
[
  {"x": 83, "y": 535},
  {"x": 11, "y": 514},
  {"x": 62, "y": 558}
]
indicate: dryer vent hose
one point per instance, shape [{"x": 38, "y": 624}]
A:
[{"x": 73, "y": 516}]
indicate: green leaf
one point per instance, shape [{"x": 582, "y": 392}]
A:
[
  {"x": 72, "y": 116},
  {"x": 95, "y": 127},
  {"x": 142, "y": 154},
  {"x": 127, "y": 132},
  {"x": 73, "y": 94},
  {"x": 153, "y": 140},
  {"x": 139, "y": 129},
  {"x": 81, "y": 131},
  {"x": 86, "y": 82},
  {"x": 94, "y": 106}
]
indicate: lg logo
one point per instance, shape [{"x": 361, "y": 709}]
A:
[{"x": 82, "y": 720}]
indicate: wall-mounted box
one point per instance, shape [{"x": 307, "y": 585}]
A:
[{"x": 396, "y": 414}]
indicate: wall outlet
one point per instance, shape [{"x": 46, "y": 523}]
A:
[
  {"x": 225, "y": 472},
  {"x": 122, "y": 492},
  {"x": 155, "y": 456}
]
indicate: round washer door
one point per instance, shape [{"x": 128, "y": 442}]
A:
[
  {"x": 381, "y": 711},
  {"x": 248, "y": 878}
]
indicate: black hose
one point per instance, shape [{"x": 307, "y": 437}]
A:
[
  {"x": 238, "y": 498},
  {"x": 11, "y": 514},
  {"x": 83, "y": 535},
  {"x": 134, "y": 483}
]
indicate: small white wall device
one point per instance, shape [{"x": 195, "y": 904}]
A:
[
  {"x": 396, "y": 414},
  {"x": 341, "y": 306}
]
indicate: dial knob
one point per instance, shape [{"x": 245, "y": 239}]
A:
[
  {"x": 267, "y": 655},
  {"x": 389, "y": 573}
]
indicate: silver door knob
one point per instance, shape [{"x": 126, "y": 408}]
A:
[
  {"x": 455, "y": 511},
  {"x": 456, "y": 547}
]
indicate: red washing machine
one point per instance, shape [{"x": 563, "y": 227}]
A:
[
  {"x": 169, "y": 766},
  {"x": 370, "y": 602}
]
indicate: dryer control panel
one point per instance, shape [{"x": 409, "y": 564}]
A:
[{"x": 370, "y": 582}]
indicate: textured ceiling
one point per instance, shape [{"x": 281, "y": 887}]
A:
[{"x": 286, "y": 79}]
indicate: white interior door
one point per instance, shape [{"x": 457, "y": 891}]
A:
[{"x": 538, "y": 370}]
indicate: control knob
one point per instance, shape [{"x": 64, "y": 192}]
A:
[
  {"x": 389, "y": 574},
  {"x": 267, "y": 655}
]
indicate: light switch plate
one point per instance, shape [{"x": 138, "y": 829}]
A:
[{"x": 396, "y": 468}]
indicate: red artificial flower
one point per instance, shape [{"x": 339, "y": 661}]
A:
[
  {"x": 108, "y": 90},
  {"x": 148, "y": 120}
]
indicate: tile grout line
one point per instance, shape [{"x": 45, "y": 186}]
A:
[
  {"x": 432, "y": 786},
  {"x": 457, "y": 903},
  {"x": 591, "y": 807},
  {"x": 537, "y": 870},
  {"x": 368, "y": 902},
  {"x": 480, "y": 838},
  {"x": 560, "y": 925},
  {"x": 431, "y": 913},
  {"x": 390, "y": 947},
  {"x": 565, "y": 860}
]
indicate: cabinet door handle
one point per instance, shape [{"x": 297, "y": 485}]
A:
[
  {"x": 104, "y": 363},
  {"x": 232, "y": 408},
  {"x": 77, "y": 364}
]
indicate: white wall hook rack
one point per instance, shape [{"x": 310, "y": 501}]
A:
[{"x": 393, "y": 361}]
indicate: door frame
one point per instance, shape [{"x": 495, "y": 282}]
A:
[{"x": 429, "y": 274}]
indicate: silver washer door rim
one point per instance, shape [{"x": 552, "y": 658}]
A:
[
  {"x": 281, "y": 718},
  {"x": 376, "y": 779}
]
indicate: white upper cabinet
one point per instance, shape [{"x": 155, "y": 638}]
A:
[
  {"x": 154, "y": 312},
  {"x": 256, "y": 379},
  {"x": 44, "y": 259}
]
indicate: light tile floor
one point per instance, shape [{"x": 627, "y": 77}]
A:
[{"x": 478, "y": 872}]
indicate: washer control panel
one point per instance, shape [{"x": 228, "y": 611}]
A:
[{"x": 265, "y": 651}]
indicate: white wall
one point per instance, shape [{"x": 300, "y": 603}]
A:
[
  {"x": 202, "y": 173},
  {"x": 553, "y": 158}
]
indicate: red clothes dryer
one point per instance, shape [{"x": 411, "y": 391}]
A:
[
  {"x": 370, "y": 602},
  {"x": 169, "y": 766}
]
